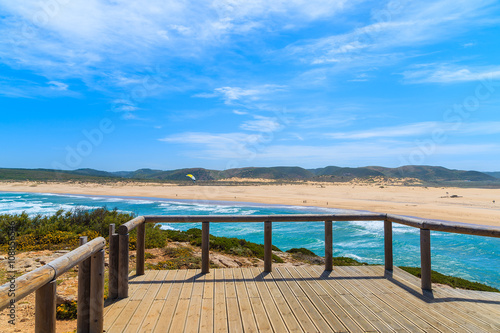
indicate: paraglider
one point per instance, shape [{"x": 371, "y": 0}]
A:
[{"x": 191, "y": 176}]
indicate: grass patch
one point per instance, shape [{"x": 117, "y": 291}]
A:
[
  {"x": 302, "y": 250},
  {"x": 235, "y": 246},
  {"x": 452, "y": 281},
  {"x": 345, "y": 261}
]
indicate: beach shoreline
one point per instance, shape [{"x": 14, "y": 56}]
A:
[{"x": 468, "y": 205}]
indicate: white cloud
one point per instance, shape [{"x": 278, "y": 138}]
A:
[
  {"x": 255, "y": 149},
  {"x": 450, "y": 74},
  {"x": 261, "y": 124},
  {"x": 387, "y": 132},
  {"x": 232, "y": 95},
  {"x": 396, "y": 25},
  {"x": 419, "y": 129},
  {"x": 58, "y": 85},
  {"x": 239, "y": 112},
  {"x": 213, "y": 146}
]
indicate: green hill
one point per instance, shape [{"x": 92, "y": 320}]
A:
[
  {"x": 493, "y": 174},
  {"x": 428, "y": 174}
]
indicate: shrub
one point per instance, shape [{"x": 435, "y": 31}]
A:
[
  {"x": 302, "y": 250},
  {"x": 66, "y": 311}
]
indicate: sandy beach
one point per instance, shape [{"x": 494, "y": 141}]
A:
[{"x": 470, "y": 205}]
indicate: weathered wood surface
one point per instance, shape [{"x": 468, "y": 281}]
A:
[
  {"x": 83, "y": 304},
  {"x": 263, "y": 218},
  {"x": 131, "y": 225},
  {"x": 425, "y": 258},
  {"x": 141, "y": 248},
  {"x": 437, "y": 225},
  {"x": 123, "y": 260},
  {"x": 96, "y": 293},
  {"x": 45, "y": 308},
  {"x": 29, "y": 282},
  {"x": 328, "y": 246},
  {"x": 297, "y": 299},
  {"x": 268, "y": 246},
  {"x": 205, "y": 247}
]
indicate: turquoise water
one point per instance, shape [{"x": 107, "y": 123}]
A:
[{"x": 470, "y": 257}]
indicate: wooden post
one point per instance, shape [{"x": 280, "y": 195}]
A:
[
  {"x": 45, "y": 308},
  {"x": 113, "y": 263},
  {"x": 205, "y": 247},
  {"x": 388, "y": 245},
  {"x": 83, "y": 300},
  {"x": 425, "y": 258},
  {"x": 268, "y": 246},
  {"x": 328, "y": 246},
  {"x": 97, "y": 292},
  {"x": 140, "y": 248},
  {"x": 123, "y": 266}
]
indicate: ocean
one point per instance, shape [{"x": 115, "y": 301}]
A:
[{"x": 470, "y": 257}]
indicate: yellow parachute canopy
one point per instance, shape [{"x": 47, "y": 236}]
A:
[{"x": 191, "y": 176}]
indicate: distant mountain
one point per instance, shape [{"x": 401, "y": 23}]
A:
[
  {"x": 424, "y": 173},
  {"x": 363, "y": 172},
  {"x": 433, "y": 173},
  {"x": 289, "y": 173},
  {"x": 493, "y": 174},
  {"x": 93, "y": 172}
]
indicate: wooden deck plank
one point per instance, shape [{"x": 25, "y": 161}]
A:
[
  {"x": 234, "y": 320},
  {"x": 170, "y": 302},
  {"x": 193, "y": 315},
  {"x": 144, "y": 285},
  {"x": 207, "y": 315},
  {"x": 220, "y": 311},
  {"x": 207, "y": 304},
  {"x": 117, "y": 306},
  {"x": 361, "y": 321},
  {"x": 328, "y": 321},
  {"x": 296, "y": 299},
  {"x": 256, "y": 307},
  {"x": 247, "y": 315},
  {"x": 431, "y": 311},
  {"x": 403, "y": 303},
  {"x": 390, "y": 317},
  {"x": 208, "y": 285},
  {"x": 463, "y": 316},
  {"x": 273, "y": 314},
  {"x": 486, "y": 308},
  {"x": 271, "y": 295},
  {"x": 394, "y": 302},
  {"x": 147, "y": 299},
  {"x": 183, "y": 304}
]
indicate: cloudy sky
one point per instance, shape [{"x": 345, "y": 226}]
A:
[{"x": 121, "y": 85}]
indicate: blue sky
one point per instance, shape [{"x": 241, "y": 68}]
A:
[{"x": 121, "y": 85}]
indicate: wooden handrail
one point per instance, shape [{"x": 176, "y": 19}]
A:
[
  {"x": 425, "y": 225},
  {"x": 262, "y": 218},
  {"x": 42, "y": 280},
  {"x": 29, "y": 282}
]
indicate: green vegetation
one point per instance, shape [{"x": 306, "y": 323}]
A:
[
  {"x": 227, "y": 245},
  {"x": 180, "y": 257},
  {"x": 66, "y": 311},
  {"x": 63, "y": 229},
  {"x": 431, "y": 175},
  {"x": 345, "y": 261},
  {"x": 452, "y": 281},
  {"x": 302, "y": 250}
]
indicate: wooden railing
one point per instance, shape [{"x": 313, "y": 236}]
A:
[
  {"x": 119, "y": 249},
  {"x": 90, "y": 258}
]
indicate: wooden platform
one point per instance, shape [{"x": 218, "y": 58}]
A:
[{"x": 348, "y": 299}]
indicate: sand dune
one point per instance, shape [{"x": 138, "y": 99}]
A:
[{"x": 479, "y": 206}]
